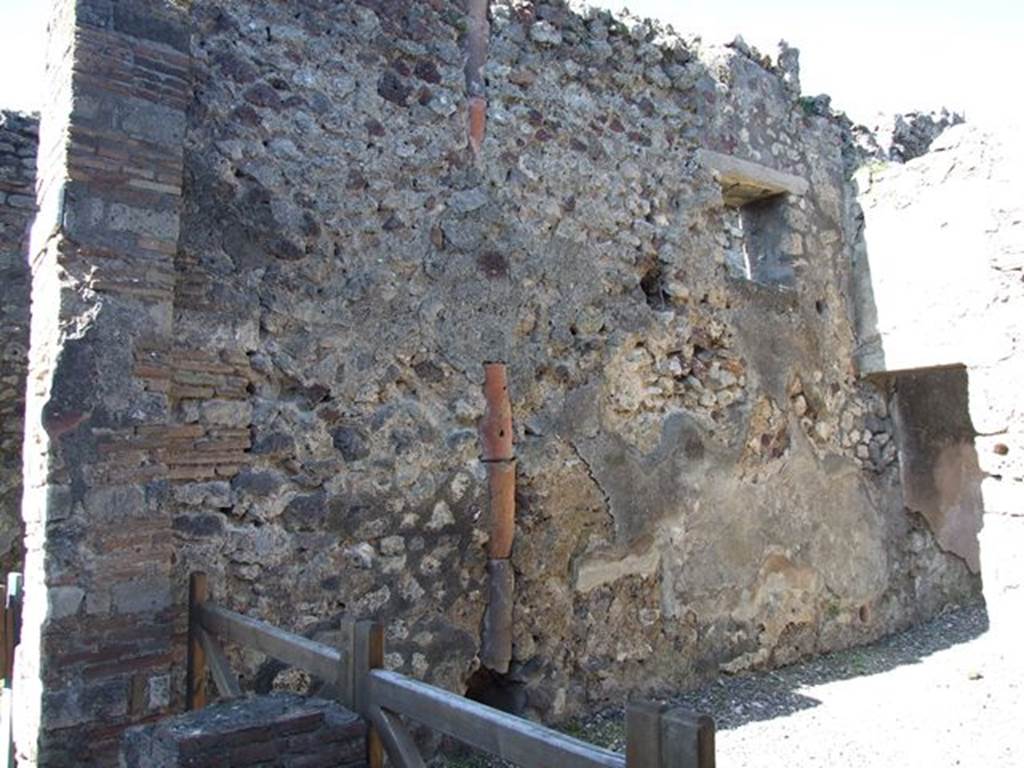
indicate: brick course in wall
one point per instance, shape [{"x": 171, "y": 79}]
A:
[
  {"x": 276, "y": 731},
  {"x": 19, "y": 138},
  {"x": 101, "y": 646}
]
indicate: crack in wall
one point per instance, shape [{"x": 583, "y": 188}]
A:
[
  {"x": 926, "y": 525},
  {"x": 594, "y": 479}
]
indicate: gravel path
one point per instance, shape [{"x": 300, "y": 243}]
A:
[{"x": 936, "y": 695}]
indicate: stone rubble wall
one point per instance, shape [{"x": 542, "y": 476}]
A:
[
  {"x": 896, "y": 138},
  {"x": 280, "y": 730},
  {"x": 911, "y": 135},
  {"x": 268, "y": 268},
  {"x": 19, "y": 136},
  {"x": 705, "y": 482}
]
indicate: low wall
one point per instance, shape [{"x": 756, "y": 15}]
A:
[{"x": 281, "y": 730}]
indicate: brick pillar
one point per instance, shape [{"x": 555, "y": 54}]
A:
[{"x": 99, "y": 651}]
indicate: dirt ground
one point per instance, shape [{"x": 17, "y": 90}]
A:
[{"x": 937, "y": 695}]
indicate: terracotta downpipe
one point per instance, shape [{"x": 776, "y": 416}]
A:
[
  {"x": 496, "y": 425},
  {"x": 501, "y": 476},
  {"x": 477, "y": 123},
  {"x": 477, "y": 34},
  {"x": 496, "y": 643},
  {"x": 497, "y": 454}
]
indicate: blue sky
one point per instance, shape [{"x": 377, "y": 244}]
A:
[{"x": 870, "y": 55}]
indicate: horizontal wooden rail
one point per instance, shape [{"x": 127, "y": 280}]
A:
[
  {"x": 506, "y": 736},
  {"x": 318, "y": 659},
  {"x": 657, "y": 735}
]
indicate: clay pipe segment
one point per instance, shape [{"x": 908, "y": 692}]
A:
[
  {"x": 496, "y": 424},
  {"x": 477, "y": 42},
  {"x": 477, "y": 123},
  {"x": 476, "y": 58},
  {"x": 496, "y": 645},
  {"x": 501, "y": 476}
]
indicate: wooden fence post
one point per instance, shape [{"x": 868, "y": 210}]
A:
[
  {"x": 198, "y": 592},
  {"x": 367, "y": 654},
  {"x": 362, "y": 651},
  {"x": 643, "y": 734},
  {"x": 660, "y": 736},
  {"x": 12, "y": 599},
  {"x": 12, "y": 623},
  {"x": 346, "y": 665},
  {"x": 3, "y": 635}
]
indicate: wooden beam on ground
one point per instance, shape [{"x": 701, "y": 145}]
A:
[
  {"x": 220, "y": 669},
  {"x": 195, "y": 692},
  {"x": 294, "y": 650},
  {"x": 511, "y": 738}
]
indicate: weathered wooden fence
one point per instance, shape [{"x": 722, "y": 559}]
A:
[
  {"x": 657, "y": 736},
  {"x": 10, "y": 631}
]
